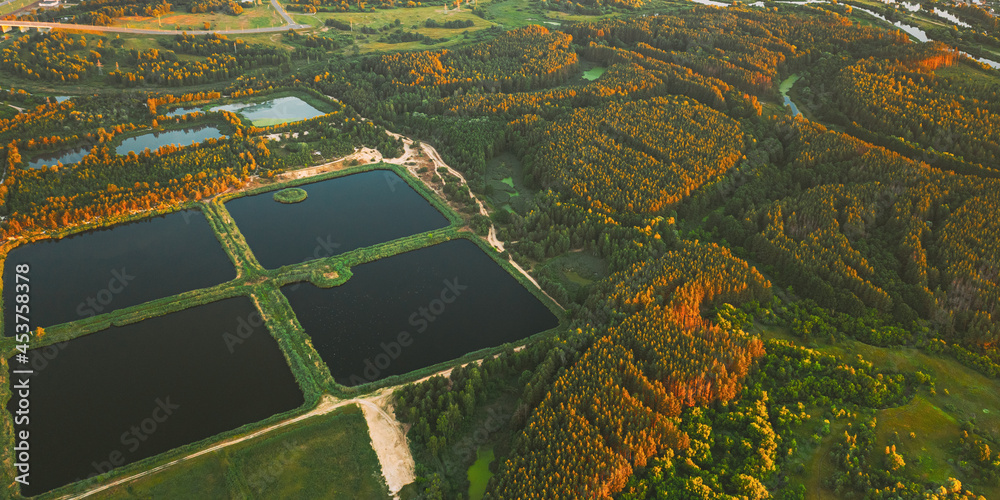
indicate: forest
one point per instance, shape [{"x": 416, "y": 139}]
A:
[
  {"x": 751, "y": 297},
  {"x": 57, "y": 56}
]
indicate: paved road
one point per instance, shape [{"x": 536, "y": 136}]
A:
[
  {"x": 141, "y": 31},
  {"x": 284, "y": 15}
]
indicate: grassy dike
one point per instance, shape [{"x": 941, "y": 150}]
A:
[{"x": 263, "y": 287}]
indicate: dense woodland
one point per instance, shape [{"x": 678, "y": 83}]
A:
[
  {"x": 59, "y": 57},
  {"x": 717, "y": 216}
]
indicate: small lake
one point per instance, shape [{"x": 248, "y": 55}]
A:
[
  {"x": 479, "y": 474},
  {"x": 594, "y": 73},
  {"x": 784, "y": 88},
  {"x": 182, "y": 111},
  {"x": 951, "y": 17},
  {"x": 441, "y": 301},
  {"x": 103, "y": 270},
  {"x": 127, "y": 393},
  {"x": 66, "y": 158},
  {"x": 913, "y": 31},
  {"x": 712, "y": 3},
  {"x": 274, "y": 111},
  {"x": 339, "y": 215},
  {"x": 989, "y": 62},
  {"x": 155, "y": 140}
]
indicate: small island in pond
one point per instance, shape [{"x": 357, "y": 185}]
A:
[{"x": 290, "y": 195}]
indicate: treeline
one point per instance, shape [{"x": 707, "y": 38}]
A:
[
  {"x": 438, "y": 407},
  {"x": 935, "y": 113},
  {"x": 615, "y": 408},
  {"x": 106, "y": 185},
  {"x": 454, "y": 24},
  {"x": 516, "y": 60},
  {"x": 639, "y": 157},
  {"x": 400, "y": 36},
  {"x": 856, "y": 227},
  {"x": 54, "y": 56},
  {"x": 742, "y": 448},
  {"x": 228, "y": 6},
  {"x": 105, "y": 12},
  {"x": 979, "y": 17},
  {"x": 225, "y": 59},
  {"x": 58, "y": 56},
  {"x": 724, "y": 59}
]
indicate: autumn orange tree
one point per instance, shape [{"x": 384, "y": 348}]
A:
[{"x": 614, "y": 408}]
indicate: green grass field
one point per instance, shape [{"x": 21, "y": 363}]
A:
[
  {"x": 408, "y": 19},
  {"x": 15, "y": 6},
  {"x": 262, "y": 16},
  {"x": 7, "y": 111},
  {"x": 934, "y": 431},
  {"x": 968, "y": 74},
  {"x": 479, "y": 473},
  {"x": 326, "y": 457},
  {"x": 960, "y": 393}
]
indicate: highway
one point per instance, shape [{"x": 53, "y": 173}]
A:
[{"x": 142, "y": 31}]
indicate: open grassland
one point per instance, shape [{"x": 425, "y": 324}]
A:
[
  {"x": 325, "y": 457},
  {"x": 968, "y": 74},
  {"x": 410, "y": 20},
  {"x": 15, "y": 5},
  {"x": 933, "y": 415},
  {"x": 408, "y": 17},
  {"x": 934, "y": 432},
  {"x": 262, "y": 16}
]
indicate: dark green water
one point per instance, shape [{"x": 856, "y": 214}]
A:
[
  {"x": 479, "y": 473},
  {"x": 413, "y": 310},
  {"x": 102, "y": 270},
  {"x": 66, "y": 158},
  {"x": 339, "y": 215},
  {"x": 155, "y": 140},
  {"x": 123, "y": 394},
  {"x": 274, "y": 111}
]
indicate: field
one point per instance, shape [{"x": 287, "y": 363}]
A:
[
  {"x": 262, "y": 16},
  {"x": 14, "y": 6},
  {"x": 324, "y": 457},
  {"x": 410, "y": 20},
  {"x": 967, "y": 73},
  {"x": 934, "y": 431},
  {"x": 506, "y": 189},
  {"x": 6, "y": 111},
  {"x": 933, "y": 416}
]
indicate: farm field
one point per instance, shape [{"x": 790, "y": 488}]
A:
[
  {"x": 260, "y": 16},
  {"x": 292, "y": 463}
]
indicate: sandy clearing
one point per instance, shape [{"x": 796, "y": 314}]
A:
[
  {"x": 428, "y": 151},
  {"x": 389, "y": 441}
]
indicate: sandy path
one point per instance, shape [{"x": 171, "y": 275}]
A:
[
  {"x": 326, "y": 405},
  {"x": 386, "y": 432},
  {"x": 389, "y": 441},
  {"x": 428, "y": 151}
]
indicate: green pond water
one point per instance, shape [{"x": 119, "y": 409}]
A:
[
  {"x": 784, "y": 88},
  {"x": 273, "y": 112},
  {"x": 594, "y": 73},
  {"x": 479, "y": 473}
]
